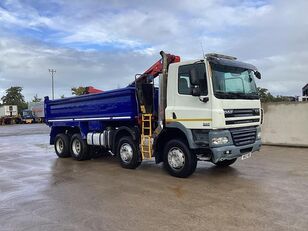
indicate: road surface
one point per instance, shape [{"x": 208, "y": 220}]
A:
[{"x": 39, "y": 191}]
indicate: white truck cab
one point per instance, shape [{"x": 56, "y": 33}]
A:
[{"x": 214, "y": 102}]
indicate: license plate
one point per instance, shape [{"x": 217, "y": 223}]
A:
[{"x": 246, "y": 156}]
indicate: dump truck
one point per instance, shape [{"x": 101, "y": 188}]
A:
[
  {"x": 202, "y": 110},
  {"x": 37, "y": 109}
]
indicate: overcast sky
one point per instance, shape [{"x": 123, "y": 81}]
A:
[{"x": 105, "y": 43}]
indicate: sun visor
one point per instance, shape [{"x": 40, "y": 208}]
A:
[{"x": 232, "y": 63}]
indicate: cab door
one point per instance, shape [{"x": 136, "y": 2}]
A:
[{"x": 193, "y": 112}]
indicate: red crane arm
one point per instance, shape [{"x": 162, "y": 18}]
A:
[{"x": 156, "y": 69}]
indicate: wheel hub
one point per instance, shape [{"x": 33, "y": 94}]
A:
[
  {"x": 176, "y": 158},
  {"x": 60, "y": 145},
  {"x": 126, "y": 152},
  {"x": 76, "y": 147}
]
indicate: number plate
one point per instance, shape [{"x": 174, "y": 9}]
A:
[{"x": 246, "y": 156}]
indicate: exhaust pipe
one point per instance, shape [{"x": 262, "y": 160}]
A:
[
  {"x": 163, "y": 87},
  {"x": 162, "y": 94}
]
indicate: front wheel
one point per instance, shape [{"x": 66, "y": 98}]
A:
[
  {"x": 127, "y": 153},
  {"x": 178, "y": 160},
  {"x": 225, "y": 163}
]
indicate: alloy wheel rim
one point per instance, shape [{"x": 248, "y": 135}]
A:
[
  {"x": 60, "y": 145},
  {"x": 126, "y": 152},
  {"x": 76, "y": 147},
  {"x": 176, "y": 158}
]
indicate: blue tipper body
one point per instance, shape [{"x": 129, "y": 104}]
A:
[{"x": 92, "y": 112}]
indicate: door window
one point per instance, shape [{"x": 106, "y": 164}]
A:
[{"x": 184, "y": 83}]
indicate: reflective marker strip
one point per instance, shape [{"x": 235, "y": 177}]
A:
[
  {"x": 87, "y": 119},
  {"x": 99, "y": 118},
  {"x": 60, "y": 120},
  {"x": 121, "y": 117},
  {"x": 189, "y": 120}
]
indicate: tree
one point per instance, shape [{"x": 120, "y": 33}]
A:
[
  {"x": 14, "y": 97},
  {"x": 78, "y": 90},
  {"x": 36, "y": 99},
  {"x": 281, "y": 98},
  {"x": 265, "y": 95}
]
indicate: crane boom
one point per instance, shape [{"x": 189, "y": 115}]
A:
[{"x": 155, "y": 70}]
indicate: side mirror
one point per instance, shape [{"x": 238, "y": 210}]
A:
[
  {"x": 193, "y": 76},
  {"x": 257, "y": 74},
  {"x": 196, "y": 91}
]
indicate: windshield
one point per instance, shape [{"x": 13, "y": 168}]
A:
[
  {"x": 27, "y": 113},
  {"x": 233, "y": 82}
]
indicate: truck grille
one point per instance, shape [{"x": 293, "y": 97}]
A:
[
  {"x": 229, "y": 122},
  {"x": 229, "y": 113},
  {"x": 243, "y": 136}
]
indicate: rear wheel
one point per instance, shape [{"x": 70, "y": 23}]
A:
[
  {"x": 62, "y": 145},
  {"x": 178, "y": 160},
  {"x": 225, "y": 163},
  {"x": 79, "y": 148},
  {"x": 127, "y": 153}
]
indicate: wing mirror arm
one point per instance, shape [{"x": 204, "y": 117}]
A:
[
  {"x": 204, "y": 99},
  {"x": 195, "y": 90}
]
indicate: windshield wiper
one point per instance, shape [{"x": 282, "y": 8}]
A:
[
  {"x": 251, "y": 95},
  {"x": 225, "y": 95},
  {"x": 236, "y": 95}
]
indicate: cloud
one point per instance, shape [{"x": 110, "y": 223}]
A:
[
  {"x": 105, "y": 44},
  {"x": 27, "y": 65}
]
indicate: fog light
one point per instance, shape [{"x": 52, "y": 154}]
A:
[
  {"x": 220, "y": 140},
  {"x": 259, "y": 135},
  {"x": 227, "y": 152}
]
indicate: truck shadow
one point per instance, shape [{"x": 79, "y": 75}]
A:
[
  {"x": 107, "y": 163},
  {"x": 211, "y": 171}
]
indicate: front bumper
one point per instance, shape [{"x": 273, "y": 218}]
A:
[{"x": 220, "y": 153}]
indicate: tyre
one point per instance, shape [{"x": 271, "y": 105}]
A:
[
  {"x": 225, "y": 163},
  {"x": 79, "y": 148},
  {"x": 178, "y": 160},
  {"x": 127, "y": 153},
  {"x": 62, "y": 145}
]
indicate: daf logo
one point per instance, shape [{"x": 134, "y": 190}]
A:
[{"x": 228, "y": 111}]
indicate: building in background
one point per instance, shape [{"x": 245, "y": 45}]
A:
[
  {"x": 305, "y": 90},
  {"x": 304, "y": 96}
]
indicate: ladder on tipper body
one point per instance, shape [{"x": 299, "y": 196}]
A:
[
  {"x": 146, "y": 130},
  {"x": 146, "y": 136}
]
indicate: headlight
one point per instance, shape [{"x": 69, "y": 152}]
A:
[
  {"x": 220, "y": 140},
  {"x": 259, "y": 135}
]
